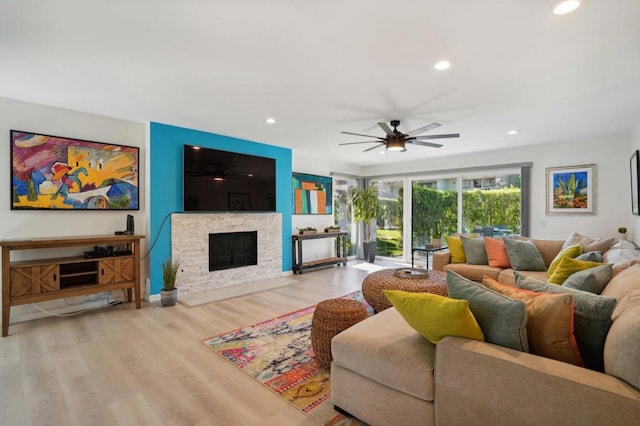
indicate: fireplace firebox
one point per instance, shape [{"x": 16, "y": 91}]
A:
[{"x": 229, "y": 250}]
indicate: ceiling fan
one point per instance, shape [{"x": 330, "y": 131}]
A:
[{"x": 395, "y": 140}]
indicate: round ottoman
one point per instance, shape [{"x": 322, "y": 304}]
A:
[
  {"x": 427, "y": 281},
  {"x": 330, "y": 318}
]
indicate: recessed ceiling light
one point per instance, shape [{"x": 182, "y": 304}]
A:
[
  {"x": 442, "y": 65},
  {"x": 566, "y": 6},
  {"x": 270, "y": 120},
  {"x": 512, "y": 132},
  {"x": 195, "y": 147}
]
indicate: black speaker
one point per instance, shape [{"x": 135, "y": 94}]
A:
[{"x": 129, "y": 230}]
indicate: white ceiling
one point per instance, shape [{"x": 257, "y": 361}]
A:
[{"x": 327, "y": 66}]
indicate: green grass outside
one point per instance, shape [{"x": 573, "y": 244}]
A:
[{"x": 389, "y": 242}]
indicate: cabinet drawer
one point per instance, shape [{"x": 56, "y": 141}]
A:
[{"x": 35, "y": 280}]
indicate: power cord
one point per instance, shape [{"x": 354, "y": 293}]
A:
[
  {"x": 71, "y": 314},
  {"x": 158, "y": 234}
]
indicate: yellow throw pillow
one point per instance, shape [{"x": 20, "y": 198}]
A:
[
  {"x": 434, "y": 316},
  {"x": 571, "y": 251},
  {"x": 568, "y": 266},
  {"x": 456, "y": 249}
]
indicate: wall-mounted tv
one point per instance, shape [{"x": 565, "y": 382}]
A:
[{"x": 224, "y": 181}]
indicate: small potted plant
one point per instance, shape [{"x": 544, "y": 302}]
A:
[
  {"x": 307, "y": 230},
  {"x": 622, "y": 231},
  {"x": 169, "y": 292},
  {"x": 436, "y": 236},
  {"x": 332, "y": 228}
]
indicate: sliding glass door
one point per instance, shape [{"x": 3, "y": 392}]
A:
[{"x": 389, "y": 221}]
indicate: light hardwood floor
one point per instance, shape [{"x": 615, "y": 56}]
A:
[{"x": 122, "y": 366}]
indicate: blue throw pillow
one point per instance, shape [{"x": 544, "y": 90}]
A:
[{"x": 503, "y": 320}]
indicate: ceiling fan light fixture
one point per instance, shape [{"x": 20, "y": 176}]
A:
[
  {"x": 396, "y": 145},
  {"x": 565, "y": 6},
  {"x": 442, "y": 65}
]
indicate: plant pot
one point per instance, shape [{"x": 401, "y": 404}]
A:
[
  {"x": 369, "y": 248},
  {"x": 436, "y": 241},
  {"x": 169, "y": 297}
]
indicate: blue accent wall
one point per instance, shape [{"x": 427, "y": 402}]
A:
[{"x": 165, "y": 153}]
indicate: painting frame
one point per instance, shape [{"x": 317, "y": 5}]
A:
[
  {"x": 60, "y": 173},
  {"x": 571, "y": 190},
  {"x": 312, "y": 194},
  {"x": 239, "y": 202},
  {"x": 634, "y": 165}
]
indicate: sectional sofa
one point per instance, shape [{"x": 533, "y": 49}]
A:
[{"x": 384, "y": 372}]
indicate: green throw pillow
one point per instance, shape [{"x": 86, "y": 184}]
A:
[
  {"x": 524, "y": 255},
  {"x": 592, "y": 280},
  {"x": 568, "y": 266},
  {"x": 592, "y": 318},
  {"x": 571, "y": 251},
  {"x": 434, "y": 316},
  {"x": 503, "y": 320},
  {"x": 475, "y": 251}
]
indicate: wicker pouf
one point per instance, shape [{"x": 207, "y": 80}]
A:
[
  {"x": 330, "y": 318},
  {"x": 388, "y": 279}
]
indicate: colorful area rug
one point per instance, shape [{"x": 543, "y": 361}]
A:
[{"x": 278, "y": 354}]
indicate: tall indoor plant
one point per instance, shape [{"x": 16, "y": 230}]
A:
[
  {"x": 365, "y": 209},
  {"x": 169, "y": 292}
]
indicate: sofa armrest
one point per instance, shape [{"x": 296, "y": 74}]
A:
[
  {"x": 477, "y": 383},
  {"x": 441, "y": 258}
]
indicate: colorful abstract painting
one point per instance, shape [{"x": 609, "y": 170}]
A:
[
  {"x": 52, "y": 172},
  {"x": 312, "y": 194},
  {"x": 571, "y": 189}
]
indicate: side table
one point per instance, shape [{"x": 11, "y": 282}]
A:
[{"x": 427, "y": 248}]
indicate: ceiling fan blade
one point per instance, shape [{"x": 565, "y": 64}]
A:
[
  {"x": 360, "y": 134},
  {"x": 373, "y": 147},
  {"x": 449, "y": 135},
  {"x": 386, "y": 129},
  {"x": 356, "y": 143},
  {"x": 420, "y": 143},
  {"x": 423, "y": 129}
]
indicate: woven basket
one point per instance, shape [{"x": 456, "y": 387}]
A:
[
  {"x": 330, "y": 318},
  {"x": 386, "y": 279}
]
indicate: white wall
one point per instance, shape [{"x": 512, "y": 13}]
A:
[
  {"x": 611, "y": 155},
  {"x": 35, "y": 118},
  {"x": 317, "y": 249},
  {"x": 634, "y": 234}
]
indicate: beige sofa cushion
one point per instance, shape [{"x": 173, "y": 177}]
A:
[
  {"x": 507, "y": 276},
  {"x": 589, "y": 243},
  {"x": 473, "y": 272},
  {"x": 622, "y": 347},
  {"x": 548, "y": 249},
  {"x": 385, "y": 349},
  {"x": 625, "y": 288}
]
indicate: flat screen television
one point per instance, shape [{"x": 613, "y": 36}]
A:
[{"x": 224, "y": 181}]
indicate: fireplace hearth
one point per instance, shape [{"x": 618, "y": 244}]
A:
[{"x": 229, "y": 250}]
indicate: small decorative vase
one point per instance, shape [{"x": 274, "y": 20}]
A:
[{"x": 169, "y": 297}]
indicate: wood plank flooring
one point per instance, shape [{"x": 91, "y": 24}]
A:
[{"x": 122, "y": 366}]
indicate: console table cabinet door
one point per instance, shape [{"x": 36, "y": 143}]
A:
[
  {"x": 35, "y": 280},
  {"x": 116, "y": 270}
]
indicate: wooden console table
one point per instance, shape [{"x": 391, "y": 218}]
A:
[
  {"x": 30, "y": 281},
  {"x": 340, "y": 250}
]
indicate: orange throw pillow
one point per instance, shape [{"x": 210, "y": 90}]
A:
[
  {"x": 549, "y": 322},
  {"x": 496, "y": 253}
]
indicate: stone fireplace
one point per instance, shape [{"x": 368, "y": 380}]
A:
[{"x": 190, "y": 246}]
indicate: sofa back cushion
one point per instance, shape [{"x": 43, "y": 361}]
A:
[
  {"x": 548, "y": 249},
  {"x": 622, "y": 348},
  {"x": 625, "y": 288},
  {"x": 589, "y": 243}
]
